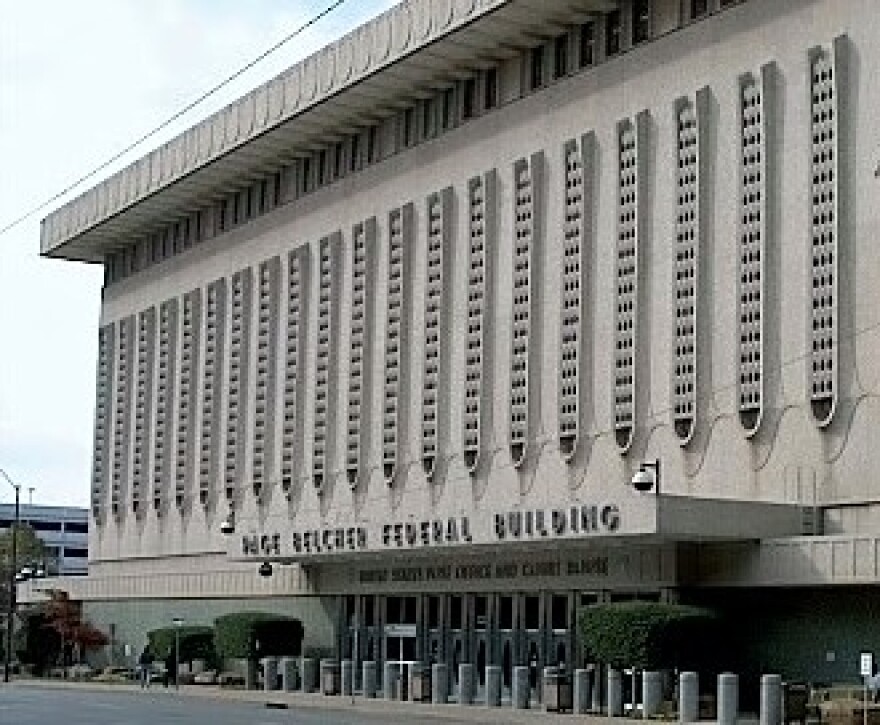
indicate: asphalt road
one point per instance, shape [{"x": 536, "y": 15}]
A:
[{"x": 34, "y": 706}]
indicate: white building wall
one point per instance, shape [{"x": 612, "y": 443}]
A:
[{"x": 789, "y": 459}]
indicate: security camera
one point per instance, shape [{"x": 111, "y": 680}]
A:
[
  {"x": 643, "y": 480},
  {"x": 265, "y": 569},
  {"x": 227, "y": 527}
]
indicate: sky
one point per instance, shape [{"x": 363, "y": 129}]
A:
[{"x": 79, "y": 81}]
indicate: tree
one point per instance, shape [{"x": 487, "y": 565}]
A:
[
  {"x": 64, "y": 616},
  {"x": 36, "y": 643},
  {"x": 647, "y": 635},
  {"x": 253, "y": 635},
  {"x": 196, "y": 643},
  {"x": 30, "y": 551}
]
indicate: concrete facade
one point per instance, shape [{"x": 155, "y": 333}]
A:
[
  {"x": 463, "y": 291},
  {"x": 63, "y": 529}
]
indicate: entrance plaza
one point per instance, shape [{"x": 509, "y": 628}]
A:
[{"x": 492, "y": 310}]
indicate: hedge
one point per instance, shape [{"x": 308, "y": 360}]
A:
[
  {"x": 647, "y": 635},
  {"x": 257, "y": 634},
  {"x": 196, "y": 642}
]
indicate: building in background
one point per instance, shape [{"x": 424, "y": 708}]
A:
[
  {"x": 409, "y": 320},
  {"x": 64, "y": 530}
]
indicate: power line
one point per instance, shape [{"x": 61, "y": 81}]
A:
[{"x": 167, "y": 122}]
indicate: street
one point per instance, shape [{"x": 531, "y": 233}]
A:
[{"x": 74, "y": 706}]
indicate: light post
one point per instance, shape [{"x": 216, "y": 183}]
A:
[
  {"x": 178, "y": 622},
  {"x": 13, "y": 564}
]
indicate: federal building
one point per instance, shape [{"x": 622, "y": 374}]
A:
[{"x": 491, "y": 310}]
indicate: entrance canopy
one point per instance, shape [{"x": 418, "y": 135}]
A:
[{"x": 634, "y": 520}]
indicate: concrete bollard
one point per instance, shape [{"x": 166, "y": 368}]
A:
[
  {"x": 466, "y": 684},
  {"x": 439, "y": 684},
  {"x": 520, "y": 690},
  {"x": 580, "y": 703},
  {"x": 728, "y": 698},
  {"x": 771, "y": 700},
  {"x": 308, "y": 680},
  {"x": 270, "y": 673},
  {"x": 346, "y": 674},
  {"x": 289, "y": 672},
  {"x": 652, "y": 693},
  {"x": 389, "y": 679},
  {"x": 368, "y": 679},
  {"x": 596, "y": 689},
  {"x": 250, "y": 674},
  {"x": 688, "y": 697},
  {"x": 493, "y": 686},
  {"x": 615, "y": 693}
]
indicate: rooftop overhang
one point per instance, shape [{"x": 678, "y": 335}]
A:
[
  {"x": 632, "y": 520},
  {"x": 407, "y": 53}
]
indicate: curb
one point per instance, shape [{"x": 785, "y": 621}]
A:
[{"x": 295, "y": 700}]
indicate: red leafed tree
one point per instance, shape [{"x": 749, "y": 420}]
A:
[{"x": 65, "y": 617}]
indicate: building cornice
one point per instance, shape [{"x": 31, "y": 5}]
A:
[{"x": 337, "y": 88}]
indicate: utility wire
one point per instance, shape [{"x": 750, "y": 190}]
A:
[{"x": 167, "y": 122}]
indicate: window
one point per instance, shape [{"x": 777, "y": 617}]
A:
[
  {"x": 325, "y": 358},
  {"x": 559, "y": 613},
  {"x": 322, "y": 167},
  {"x": 456, "y": 612},
  {"x": 306, "y": 174},
  {"x": 75, "y": 527},
  {"x": 699, "y": 8},
  {"x": 687, "y": 269},
  {"x": 823, "y": 338},
  {"x": 278, "y": 179},
  {"x": 587, "y": 44},
  {"x": 436, "y": 326},
  {"x": 613, "y": 28},
  {"x": 362, "y": 258},
  {"x": 490, "y": 90},
  {"x": 354, "y": 157},
  {"x": 338, "y": 159},
  {"x": 75, "y": 552},
  {"x": 224, "y": 225},
  {"x": 409, "y": 127},
  {"x": 536, "y": 67},
  {"x": 560, "y": 56},
  {"x": 448, "y": 108},
  {"x": 429, "y": 126},
  {"x": 641, "y": 28},
  {"x": 533, "y": 612},
  {"x": 248, "y": 208},
  {"x": 396, "y": 337},
  {"x": 45, "y": 525},
  {"x": 372, "y": 144},
  {"x": 469, "y": 98},
  {"x": 433, "y": 612}
]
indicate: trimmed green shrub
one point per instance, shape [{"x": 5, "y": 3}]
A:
[
  {"x": 647, "y": 635},
  {"x": 196, "y": 643},
  {"x": 257, "y": 634}
]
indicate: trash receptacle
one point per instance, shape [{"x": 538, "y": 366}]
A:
[
  {"x": 795, "y": 697},
  {"x": 400, "y": 685},
  {"x": 420, "y": 682},
  {"x": 330, "y": 678},
  {"x": 556, "y": 690}
]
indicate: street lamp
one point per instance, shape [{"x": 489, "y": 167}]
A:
[
  {"x": 13, "y": 564},
  {"x": 178, "y": 623}
]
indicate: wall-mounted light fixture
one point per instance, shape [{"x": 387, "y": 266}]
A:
[{"x": 647, "y": 478}]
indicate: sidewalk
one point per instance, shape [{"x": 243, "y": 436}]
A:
[{"x": 477, "y": 713}]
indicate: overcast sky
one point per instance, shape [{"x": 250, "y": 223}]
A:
[{"x": 78, "y": 82}]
